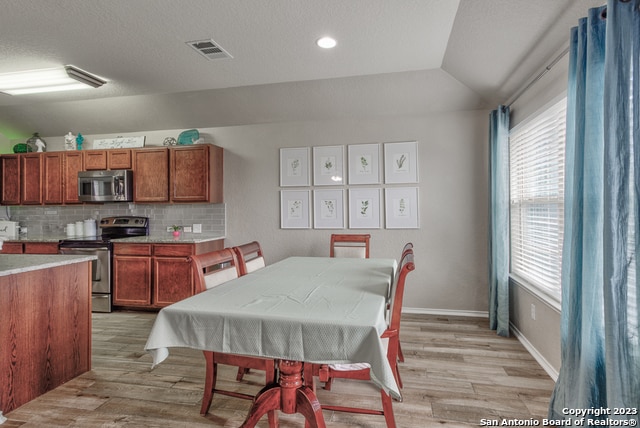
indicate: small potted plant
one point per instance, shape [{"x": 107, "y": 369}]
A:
[{"x": 176, "y": 230}]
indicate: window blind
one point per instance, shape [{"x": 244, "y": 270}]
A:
[{"x": 536, "y": 164}]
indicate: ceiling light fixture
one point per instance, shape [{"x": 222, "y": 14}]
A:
[
  {"x": 326, "y": 42},
  {"x": 48, "y": 80}
]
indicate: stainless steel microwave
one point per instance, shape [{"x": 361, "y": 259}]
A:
[{"x": 106, "y": 186}]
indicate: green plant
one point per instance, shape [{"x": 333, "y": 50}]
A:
[{"x": 176, "y": 228}]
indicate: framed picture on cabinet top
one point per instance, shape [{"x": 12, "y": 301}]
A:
[
  {"x": 364, "y": 208},
  {"x": 294, "y": 167},
  {"x": 364, "y": 163},
  {"x": 295, "y": 210},
  {"x": 401, "y": 162},
  {"x": 401, "y": 208},
  {"x": 328, "y": 166},
  {"x": 328, "y": 207}
]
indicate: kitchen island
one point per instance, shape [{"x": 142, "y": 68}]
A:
[{"x": 45, "y": 324}]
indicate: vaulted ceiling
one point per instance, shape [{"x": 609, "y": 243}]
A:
[{"x": 394, "y": 57}]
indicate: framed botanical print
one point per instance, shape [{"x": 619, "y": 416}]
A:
[
  {"x": 364, "y": 208},
  {"x": 294, "y": 167},
  {"x": 328, "y": 166},
  {"x": 328, "y": 207},
  {"x": 295, "y": 211},
  {"x": 364, "y": 163},
  {"x": 401, "y": 162},
  {"x": 401, "y": 208}
]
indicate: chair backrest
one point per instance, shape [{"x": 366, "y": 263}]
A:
[
  {"x": 397, "y": 291},
  {"x": 250, "y": 257},
  {"x": 214, "y": 268},
  {"x": 354, "y": 246},
  {"x": 408, "y": 248}
]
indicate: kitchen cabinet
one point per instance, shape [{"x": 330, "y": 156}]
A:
[
  {"x": 73, "y": 163},
  {"x": 31, "y": 178},
  {"x": 11, "y": 248},
  {"x": 151, "y": 175},
  {"x": 52, "y": 178},
  {"x": 40, "y": 248},
  {"x": 153, "y": 276},
  {"x": 107, "y": 159},
  {"x": 10, "y": 165},
  {"x": 196, "y": 174}
]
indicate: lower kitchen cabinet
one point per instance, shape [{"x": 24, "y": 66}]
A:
[{"x": 153, "y": 276}]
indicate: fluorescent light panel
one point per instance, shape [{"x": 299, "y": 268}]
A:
[{"x": 48, "y": 80}]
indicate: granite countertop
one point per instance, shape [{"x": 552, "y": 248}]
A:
[
  {"x": 161, "y": 238},
  {"x": 11, "y": 264}
]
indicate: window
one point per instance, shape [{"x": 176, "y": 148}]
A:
[{"x": 536, "y": 164}]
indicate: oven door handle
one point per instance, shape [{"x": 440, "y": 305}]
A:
[{"x": 84, "y": 250}]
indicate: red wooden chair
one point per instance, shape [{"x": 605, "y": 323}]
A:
[
  {"x": 210, "y": 270},
  {"x": 361, "y": 371},
  {"x": 407, "y": 249},
  {"x": 250, "y": 257},
  {"x": 354, "y": 246}
]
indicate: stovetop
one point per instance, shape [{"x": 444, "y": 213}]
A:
[{"x": 114, "y": 228}]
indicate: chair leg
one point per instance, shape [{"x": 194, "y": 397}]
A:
[
  {"x": 209, "y": 382},
  {"x": 397, "y": 375},
  {"x": 387, "y": 408},
  {"x": 400, "y": 354},
  {"x": 269, "y": 379},
  {"x": 241, "y": 372}
]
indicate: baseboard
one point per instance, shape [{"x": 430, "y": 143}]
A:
[
  {"x": 446, "y": 312},
  {"x": 551, "y": 371}
]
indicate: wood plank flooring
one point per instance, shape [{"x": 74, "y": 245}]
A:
[{"x": 456, "y": 372}]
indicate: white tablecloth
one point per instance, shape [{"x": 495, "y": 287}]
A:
[{"x": 313, "y": 309}]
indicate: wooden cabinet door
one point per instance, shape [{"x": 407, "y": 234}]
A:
[
  {"x": 172, "y": 280},
  {"x": 131, "y": 281},
  {"x": 95, "y": 160},
  {"x": 190, "y": 174},
  {"x": 11, "y": 248},
  {"x": 40, "y": 248},
  {"x": 10, "y": 165},
  {"x": 119, "y": 159},
  {"x": 52, "y": 181},
  {"x": 31, "y": 178},
  {"x": 72, "y": 165},
  {"x": 151, "y": 175}
]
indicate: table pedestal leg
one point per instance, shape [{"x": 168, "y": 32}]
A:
[{"x": 289, "y": 396}]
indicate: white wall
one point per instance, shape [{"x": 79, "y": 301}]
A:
[{"x": 450, "y": 246}]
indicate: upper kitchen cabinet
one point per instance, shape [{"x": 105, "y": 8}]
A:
[
  {"x": 196, "y": 173},
  {"x": 31, "y": 177},
  {"x": 101, "y": 160},
  {"x": 72, "y": 165},
  {"x": 52, "y": 183},
  {"x": 151, "y": 175},
  {"x": 10, "y": 165}
]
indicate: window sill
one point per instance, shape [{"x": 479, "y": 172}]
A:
[{"x": 551, "y": 300}]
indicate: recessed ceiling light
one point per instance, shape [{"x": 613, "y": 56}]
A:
[{"x": 326, "y": 42}]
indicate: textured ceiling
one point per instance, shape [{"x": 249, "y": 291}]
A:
[{"x": 393, "y": 57}]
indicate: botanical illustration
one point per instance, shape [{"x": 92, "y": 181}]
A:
[
  {"x": 401, "y": 207},
  {"x": 295, "y": 208},
  {"x": 328, "y": 164},
  {"x": 328, "y": 209},
  {"x": 295, "y": 167},
  {"x": 401, "y": 162},
  {"x": 364, "y": 208},
  {"x": 364, "y": 166}
]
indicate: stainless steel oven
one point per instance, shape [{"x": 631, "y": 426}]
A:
[{"x": 102, "y": 247}]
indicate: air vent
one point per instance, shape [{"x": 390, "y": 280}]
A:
[{"x": 209, "y": 49}]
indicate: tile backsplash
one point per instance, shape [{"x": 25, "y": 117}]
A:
[{"x": 51, "y": 220}]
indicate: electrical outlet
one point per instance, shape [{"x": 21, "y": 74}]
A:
[
  {"x": 533, "y": 312},
  {"x": 197, "y": 228},
  {"x": 187, "y": 228}
]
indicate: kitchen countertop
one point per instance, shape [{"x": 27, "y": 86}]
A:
[
  {"x": 161, "y": 238},
  {"x": 11, "y": 264}
]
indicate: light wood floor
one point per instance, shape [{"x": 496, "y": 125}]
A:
[{"x": 456, "y": 373}]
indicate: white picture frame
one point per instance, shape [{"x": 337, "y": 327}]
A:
[
  {"x": 402, "y": 208},
  {"x": 328, "y": 208},
  {"x": 295, "y": 210},
  {"x": 401, "y": 162},
  {"x": 364, "y": 163},
  {"x": 295, "y": 166},
  {"x": 328, "y": 166},
  {"x": 364, "y": 208}
]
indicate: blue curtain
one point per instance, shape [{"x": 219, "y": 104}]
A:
[
  {"x": 599, "y": 329},
  {"x": 499, "y": 221}
]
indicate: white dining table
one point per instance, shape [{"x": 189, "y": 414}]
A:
[{"x": 301, "y": 309}]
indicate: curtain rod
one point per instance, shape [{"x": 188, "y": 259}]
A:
[{"x": 539, "y": 76}]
